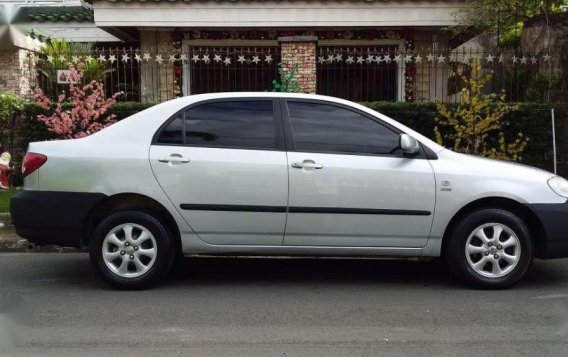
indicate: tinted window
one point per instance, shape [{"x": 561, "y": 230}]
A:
[
  {"x": 327, "y": 128},
  {"x": 246, "y": 124},
  {"x": 172, "y": 134}
]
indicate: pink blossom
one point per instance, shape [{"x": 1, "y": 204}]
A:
[{"x": 88, "y": 108}]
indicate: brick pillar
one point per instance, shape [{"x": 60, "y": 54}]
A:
[
  {"x": 300, "y": 50},
  {"x": 157, "y": 80},
  {"x": 17, "y": 71}
]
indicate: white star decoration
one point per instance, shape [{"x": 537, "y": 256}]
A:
[{"x": 348, "y": 57}]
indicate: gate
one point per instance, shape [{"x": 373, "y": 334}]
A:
[
  {"x": 359, "y": 73},
  {"x": 231, "y": 69}
]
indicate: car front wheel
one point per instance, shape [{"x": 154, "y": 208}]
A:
[
  {"x": 490, "y": 248},
  {"x": 131, "y": 250}
]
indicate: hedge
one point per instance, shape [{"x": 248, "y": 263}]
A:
[{"x": 532, "y": 119}]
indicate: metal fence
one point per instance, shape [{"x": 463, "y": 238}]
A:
[
  {"x": 160, "y": 76},
  {"x": 360, "y": 73},
  {"x": 389, "y": 73}
]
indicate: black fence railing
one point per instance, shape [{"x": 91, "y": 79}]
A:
[
  {"x": 390, "y": 73},
  {"x": 156, "y": 76},
  {"x": 359, "y": 73}
]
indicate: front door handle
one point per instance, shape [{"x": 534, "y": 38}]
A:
[
  {"x": 174, "y": 159},
  {"x": 307, "y": 164}
]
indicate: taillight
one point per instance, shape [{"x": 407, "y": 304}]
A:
[{"x": 32, "y": 162}]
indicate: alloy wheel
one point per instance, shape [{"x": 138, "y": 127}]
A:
[
  {"x": 129, "y": 250},
  {"x": 493, "y": 250}
]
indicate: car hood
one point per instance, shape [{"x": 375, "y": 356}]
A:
[{"x": 496, "y": 168}]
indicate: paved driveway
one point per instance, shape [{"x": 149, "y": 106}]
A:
[{"x": 286, "y": 307}]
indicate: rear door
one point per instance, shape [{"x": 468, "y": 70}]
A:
[
  {"x": 223, "y": 165},
  {"x": 350, "y": 185}
]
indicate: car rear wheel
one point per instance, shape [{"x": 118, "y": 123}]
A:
[
  {"x": 131, "y": 250},
  {"x": 490, "y": 248}
]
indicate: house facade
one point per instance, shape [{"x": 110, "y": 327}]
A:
[
  {"x": 361, "y": 50},
  {"x": 356, "y": 49}
]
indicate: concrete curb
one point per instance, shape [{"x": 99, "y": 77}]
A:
[{"x": 23, "y": 246}]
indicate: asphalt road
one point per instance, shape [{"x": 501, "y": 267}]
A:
[{"x": 287, "y": 307}]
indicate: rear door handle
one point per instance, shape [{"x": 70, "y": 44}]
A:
[
  {"x": 174, "y": 159},
  {"x": 307, "y": 164}
]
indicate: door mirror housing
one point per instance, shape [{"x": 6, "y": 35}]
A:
[{"x": 409, "y": 145}]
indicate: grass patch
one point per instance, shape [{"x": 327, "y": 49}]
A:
[{"x": 5, "y": 196}]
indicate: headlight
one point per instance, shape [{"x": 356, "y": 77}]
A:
[{"x": 559, "y": 185}]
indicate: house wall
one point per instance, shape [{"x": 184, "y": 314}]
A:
[{"x": 17, "y": 71}]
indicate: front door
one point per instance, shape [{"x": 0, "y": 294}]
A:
[
  {"x": 350, "y": 185},
  {"x": 223, "y": 166}
]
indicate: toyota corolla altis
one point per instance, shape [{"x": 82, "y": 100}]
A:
[{"x": 284, "y": 174}]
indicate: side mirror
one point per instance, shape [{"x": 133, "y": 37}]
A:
[{"x": 409, "y": 145}]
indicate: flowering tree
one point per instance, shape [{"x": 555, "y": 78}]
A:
[
  {"x": 88, "y": 108},
  {"x": 470, "y": 126}
]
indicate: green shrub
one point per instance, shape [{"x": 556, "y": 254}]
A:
[{"x": 532, "y": 119}]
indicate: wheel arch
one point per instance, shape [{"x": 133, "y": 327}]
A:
[
  {"x": 538, "y": 234},
  {"x": 130, "y": 201}
]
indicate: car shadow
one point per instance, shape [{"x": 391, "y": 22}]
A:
[
  {"x": 206, "y": 272},
  {"x": 308, "y": 271}
]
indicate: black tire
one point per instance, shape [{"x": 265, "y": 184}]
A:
[
  {"x": 165, "y": 250},
  {"x": 455, "y": 252}
]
